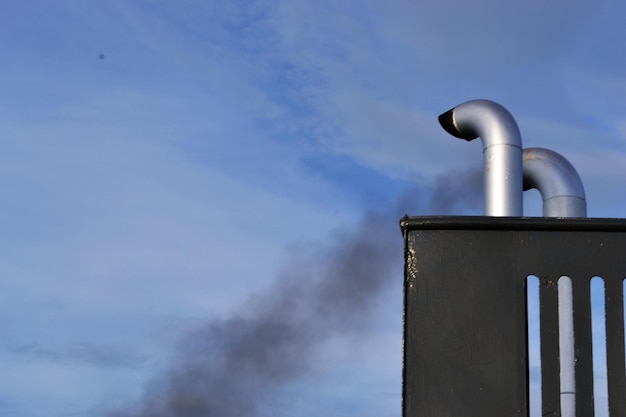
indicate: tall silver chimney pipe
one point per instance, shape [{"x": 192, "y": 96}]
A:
[
  {"x": 502, "y": 151},
  {"x": 563, "y": 195}
]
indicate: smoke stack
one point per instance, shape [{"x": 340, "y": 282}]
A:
[
  {"x": 558, "y": 182},
  {"x": 502, "y": 150}
]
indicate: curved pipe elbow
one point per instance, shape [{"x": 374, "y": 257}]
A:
[
  {"x": 482, "y": 118},
  {"x": 557, "y": 181},
  {"x": 502, "y": 150}
]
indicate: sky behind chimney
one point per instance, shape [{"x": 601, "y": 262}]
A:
[{"x": 159, "y": 162}]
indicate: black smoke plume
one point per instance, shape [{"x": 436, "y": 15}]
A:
[{"x": 226, "y": 368}]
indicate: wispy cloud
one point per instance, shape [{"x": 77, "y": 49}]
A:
[
  {"x": 100, "y": 355},
  {"x": 230, "y": 367},
  {"x": 155, "y": 158}
]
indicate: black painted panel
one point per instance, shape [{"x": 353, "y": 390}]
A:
[{"x": 465, "y": 311}]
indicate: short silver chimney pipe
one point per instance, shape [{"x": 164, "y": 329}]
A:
[
  {"x": 563, "y": 195},
  {"x": 558, "y": 182},
  {"x": 502, "y": 151}
]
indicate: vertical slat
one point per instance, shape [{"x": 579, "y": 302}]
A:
[
  {"x": 549, "y": 334},
  {"x": 583, "y": 347},
  {"x": 614, "y": 307}
]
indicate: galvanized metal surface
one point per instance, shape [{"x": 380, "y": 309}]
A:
[
  {"x": 502, "y": 151},
  {"x": 465, "y": 326},
  {"x": 558, "y": 182}
]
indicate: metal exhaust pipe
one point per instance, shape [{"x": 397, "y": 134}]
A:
[
  {"x": 508, "y": 171},
  {"x": 558, "y": 182},
  {"x": 502, "y": 151},
  {"x": 563, "y": 195}
]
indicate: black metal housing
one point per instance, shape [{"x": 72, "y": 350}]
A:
[{"x": 465, "y": 318}]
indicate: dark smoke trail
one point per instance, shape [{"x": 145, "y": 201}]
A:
[{"x": 227, "y": 367}]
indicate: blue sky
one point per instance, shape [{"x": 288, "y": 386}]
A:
[{"x": 161, "y": 162}]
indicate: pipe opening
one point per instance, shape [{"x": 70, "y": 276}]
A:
[{"x": 446, "y": 120}]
